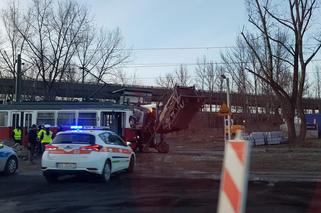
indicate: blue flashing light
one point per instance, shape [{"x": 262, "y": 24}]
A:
[{"x": 76, "y": 127}]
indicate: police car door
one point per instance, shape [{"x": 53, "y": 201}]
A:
[
  {"x": 120, "y": 154},
  {"x": 3, "y": 157}
]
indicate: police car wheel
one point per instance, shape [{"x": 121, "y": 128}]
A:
[
  {"x": 105, "y": 176},
  {"x": 11, "y": 166},
  {"x": 51, "y": 178},
  {"x": 131, "y": 165}
]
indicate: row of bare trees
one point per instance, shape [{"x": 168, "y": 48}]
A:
[
  {"x": 281, "y": 41},
  {"x": 272, "y": 57},
  {"x": 59, "y": 42},
  {"x": 207, "y": 76}
]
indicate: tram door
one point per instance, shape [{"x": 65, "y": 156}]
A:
[
  {"x": 27, "y": 120},
  {"x": 16, "y": 119},
  {"x": 22, "y": 119},
  {"x": 111, "y": 120}
]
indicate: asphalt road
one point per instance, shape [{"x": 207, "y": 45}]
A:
[{"x": 29, "y": 192}]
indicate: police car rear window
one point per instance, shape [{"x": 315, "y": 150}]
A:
[{"x": 74, "y": 138}]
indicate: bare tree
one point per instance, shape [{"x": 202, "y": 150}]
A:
[
  {"x": 87, "y": 51},
  {"x": 317, "y": 83},
  {"x": 53, "y": 38},
  {"x": 112, "y": 55},
  {"x": 208, "y": 77},
  {"x": 294, "y": 20},
  {"x": 201, "y": 72},
  {"x": 61, "y": 35},
  {"x": 124, "y": 78},
  {"x": 180, "y": 77},
  {"x": 13, "y": 43},
  {"x": 102, "y": 55},
  {"x": 235, "y": 61},
  {"x": 168, "y": 81}
]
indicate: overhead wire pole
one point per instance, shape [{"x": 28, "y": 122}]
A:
[
  {"x": 18, "y": 80},
  {"x": 229, "y": 107}
]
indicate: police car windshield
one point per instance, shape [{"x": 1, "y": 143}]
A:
[{"x": 74, "y": 138}]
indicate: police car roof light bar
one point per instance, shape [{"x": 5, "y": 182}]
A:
[{"x": 76, "y": 127}]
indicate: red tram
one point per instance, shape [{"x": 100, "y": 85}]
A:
[{"x": 61, "y": 115}]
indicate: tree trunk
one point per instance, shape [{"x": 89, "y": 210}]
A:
[
  {"x": 291, "y": 128},
  {"x": 288, "y": 111},
  {"x": 303, "y": 125}
]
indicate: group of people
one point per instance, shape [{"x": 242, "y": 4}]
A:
[{"x": 37, "y": 138}]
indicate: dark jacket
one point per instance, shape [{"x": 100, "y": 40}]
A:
[{"x": 33, "y": 136}]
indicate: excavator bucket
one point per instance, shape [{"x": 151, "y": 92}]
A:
[{"x": 179, "y": 110}]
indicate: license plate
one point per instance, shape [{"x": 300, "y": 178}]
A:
[{"x": 66, "y": 166}]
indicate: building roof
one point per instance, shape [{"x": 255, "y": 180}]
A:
[{"x": 62, "y": 105}]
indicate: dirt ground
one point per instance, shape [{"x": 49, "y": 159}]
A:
[{"x": 202, "y": 154}]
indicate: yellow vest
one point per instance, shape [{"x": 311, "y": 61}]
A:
[
  {"x": 46, "y": 138},
  {"x": 39, "y": 133},
  {"x": 17, "y": 134}
]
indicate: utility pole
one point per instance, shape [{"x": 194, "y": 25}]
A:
[
  {"x": 228, "y": 106},
  {"x": 18, "y": 80}
]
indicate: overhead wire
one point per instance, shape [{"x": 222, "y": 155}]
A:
[
  {"x": 187, "y": 64},
  {"x": 185, "y": 48},
  {"x": 193, "y": 48}
]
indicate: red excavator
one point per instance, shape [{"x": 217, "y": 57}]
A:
[{"x": 151, "y": 122}]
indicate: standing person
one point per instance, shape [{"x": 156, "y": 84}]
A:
[
  {"x": 33, "y": 140},
  {"x": 45, "y": 137},
  {"x": 39, "y": 132},
  {"x": 17, "y": 135}
]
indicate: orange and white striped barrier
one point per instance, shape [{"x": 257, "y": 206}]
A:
[{"x": 233, "y": 188}]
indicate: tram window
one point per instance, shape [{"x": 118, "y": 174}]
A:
[
  {"x": 3, "y": 118},
  {"x": 66, "y": 118},
  {"x": 16, "y": 119},
  {"x": 46, "y": 118},
  {"x": 87, "y": 119},
  {"x": 28, "y": 120}
]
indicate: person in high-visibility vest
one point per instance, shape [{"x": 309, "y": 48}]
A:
[
  {"x": 45, "y": 137},
  {"x": 39, "y": 132},
  {"x": 17, "y": 135}
]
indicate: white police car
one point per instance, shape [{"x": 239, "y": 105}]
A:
[
  {"x": 97, "y": 152},
  {"x": 8, "y": 160}
]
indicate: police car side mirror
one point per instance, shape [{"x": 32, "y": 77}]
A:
[{"x": 128, "y": 143}]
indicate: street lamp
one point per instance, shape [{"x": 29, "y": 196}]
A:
[{"x": 229, "y": 107}]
